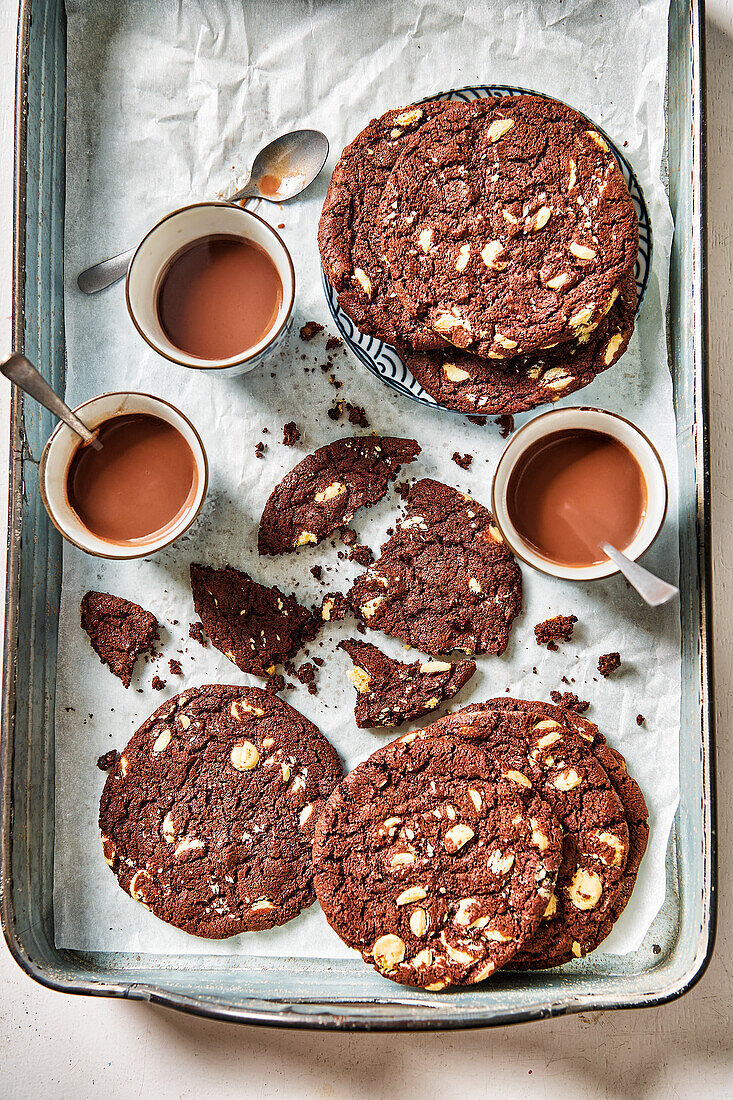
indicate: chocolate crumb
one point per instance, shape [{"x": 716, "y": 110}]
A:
[
  {"x": 656, "y": 949},
  {"x": 175, "y": 667},
  {"x": 348, "y": 536},
  {"x": 291, "y": 435},
  {"x": 569, "y": 701},
  {"x": 306, "y": 673},
  {"x": 335, "y": 411},
  {"x": 506, "y": 425},
  {"x": 551, "y": 630},
  {"x": 310, "y": 329},
  {"x": 357, "y": 415},
  {"x": 158, "y": 684},
  {"x": 319, "y": 661},
  {"x": 608, "y": 663},
  {"x": 317, "y": 571},
  {"x": 108, "y": 760},
  {"x": 640, "y": 719},
  {"x": 333, "y": 342},
  {"x": 403, "y": 488},
  {"x": 481, "y": 420},
  {"x": 464, "y": 461},
  {"x": 259, "y": 450},
  {"x": 196, "y": 631}
]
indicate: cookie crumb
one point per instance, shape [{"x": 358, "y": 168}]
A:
[
  {"x": 259, "y": 450},
  {"x": 158, "y": 684},
  {"x": 317, "y": 572},
  {"x": 334, "y": 413},
  {"x": 640, "y": 719},
  {"x": 348, "y": 536},
  {"x": 506, "y": 425},
  {"x": 335, "y": 607},
  {"x": 656, "y": 949},
  {"x": 357, "y": 415},
  {"x": 464, "y": 461},
  {"x": 569, "y": 701},
  {"x": 560, "y": 628},
  {"x": 362, "y": 555},
  {"x": 333, "y": 342},
  {"x": 196, "y": 631},
  {"x": 608, "y": 663},
  {"x": 309, "y": 330},
  {"x": 175, "y": 667},
  {"x": 108, "y": 760},
  {"x": 291, "y": 435}
]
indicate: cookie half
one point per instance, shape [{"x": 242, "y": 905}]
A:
[
  {"x": 471, "y": 384},
  {"x": 348, "y": 234},
  {"x": 208, "y": 817},
  {"x": 436, "y": 874},
  {"x": 558, "y": 752},
  {"x": 323, "y": 491},
  {"x": 445, "y": 580},
  {"x": 390, "y": 692},
  {"x": 507, "y": 225}
]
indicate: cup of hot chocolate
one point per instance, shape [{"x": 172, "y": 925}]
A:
[
  {"x": 572, "y": 479},
  {"x": 138, "y": 493},
  {"x": 212, "y": 287}
]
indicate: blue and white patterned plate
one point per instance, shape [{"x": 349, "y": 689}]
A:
[{"x": 383, "y": 360}]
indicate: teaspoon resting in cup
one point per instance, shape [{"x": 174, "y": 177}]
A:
[
  {"x": 25, "y": 376},
  {"x": 282, "y": 170}
]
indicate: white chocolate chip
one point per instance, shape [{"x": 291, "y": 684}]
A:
[
  {"x": 402, "y": 859},
  {"x": 371, "y": 606},
  {"x": 162, "y": 741},
  {"x": 474, "y": 585},
  {"x": 538, "y": 837},
  {"x": 241, "y": 705},
  {"x": 407, "y": 118},
  {"x": 614, "y": 842},
  {"x": 286, "y": 771},
  {"x": 572, "y": 177},
  {"x": 388, "y": 951},
  {"x": 498, "y": 128},
  {"x": 188, "y": 844},
  {"x": 464, "y": 255},
  {"x": 454, "y": 373},
  {"x": 185, "y": 722},
  {"x": 585, "y": 889},
  {"x": 583, "y": 316},
  {"x": 423, "y": 958},
  {"x": 504, "y": 341},
  {"x": 582, "y": 251},
  {"x": 475, "y": 797},
  {"x": 335, "y": 489},
  {"x": 136, "y": 883},
  {"x": 305, "y": 813},
  {"x": 558, "y": 281},
  {"x": 364, "y": 281},
  {"x": 244, "y": 757},
  {"x": 612, "y": 349},
  {"x": 435, "y": 666},
  {"x": 542, "y": 217},
  {"x": 418, "y": 921},
  {"x": 551, "y": 908},
  {"x": 557, "y": 378},
  {"x": 425, "y": 239},
  {"x": 305, "y": 537},
  {"x": 567, "y": 780},
  {"x": 489, "y": 254},
  {"x": 501, "y": 863},
  {"x": 596, "y": 137},
  {"x": 262, "y": 903},
  {"x": 327, "y": 609},
  {"x": 577, "y": 949},
  {"x": 460, "y": 956},
  {"x": 517, "y": 777},
  {"x": 457, "y": 836},
  {"x": 412, "y": 893},
  {"x": 360, "y": 678},
  {"x": 168, "y": 829}
]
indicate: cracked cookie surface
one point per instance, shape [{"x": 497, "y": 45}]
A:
[
  {"x": 208, "y": 816},
  {"x": 507, "y": 225},
  {"x": 471, "y": 384},
  {"x": 348, "y": 234},
  {"x": 436, "y": 874},
  {"x": 324, "y": 491},
  {"x": 256, "y": 627},
  {"x": 445, "y": 580},
  {"x": 391, "y": 692}
]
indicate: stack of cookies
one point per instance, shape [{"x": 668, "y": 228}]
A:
[
  {"x": 507, "y": 835},
  {"x": 493, "y": 243}
]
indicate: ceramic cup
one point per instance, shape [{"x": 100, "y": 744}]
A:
[
  {"x": 594, "y": 420},
  {"x": 184, "y": 227},
  {"x": 61, "y": 447}
]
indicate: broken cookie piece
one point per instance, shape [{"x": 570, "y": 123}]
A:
[
  {"x": 390, "y": 693},
  {"x": 118, "y": 630},
  {"x": 608, "y": 663},
  {"x": 551, "y": 631},
  {"x": 324, "y": 490},
  {"x": 254, "y": 626},
  {"x": 445, "y": 580}
]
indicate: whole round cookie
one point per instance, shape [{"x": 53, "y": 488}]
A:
[
  {"x": 430, "y": 869},
  {"x": 507, "y": 225},
  {"x": 470, "y": 384},
  {"x": 208, "y": 817},
  {"x": 557, "y": 754},
  {"x": 348, "y": 234}
]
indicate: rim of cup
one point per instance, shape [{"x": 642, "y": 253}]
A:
[
  {"x": 176, "y": 231},
  {"x": 62, "y": 445},
  {"x": 619, "y": 428}
]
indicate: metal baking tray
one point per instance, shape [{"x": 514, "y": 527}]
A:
[{"x": 318, "y": 993}]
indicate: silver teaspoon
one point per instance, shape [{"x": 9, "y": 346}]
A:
[
  {"x": 651, "y": 589},
  {"x": 25, "y": 376},
  {"x": 282, "y": 170}
]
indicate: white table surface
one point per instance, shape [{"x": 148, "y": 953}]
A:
[{"x": 56, "y": 1045}]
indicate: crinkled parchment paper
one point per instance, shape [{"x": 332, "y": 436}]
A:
[{"x": 167, "y": 103}]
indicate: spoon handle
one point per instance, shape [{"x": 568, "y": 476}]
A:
[
  {"x": 25, "y": 376},
  {"x": 652, "y": 589},
  {"x": 104, "y": 274}
]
